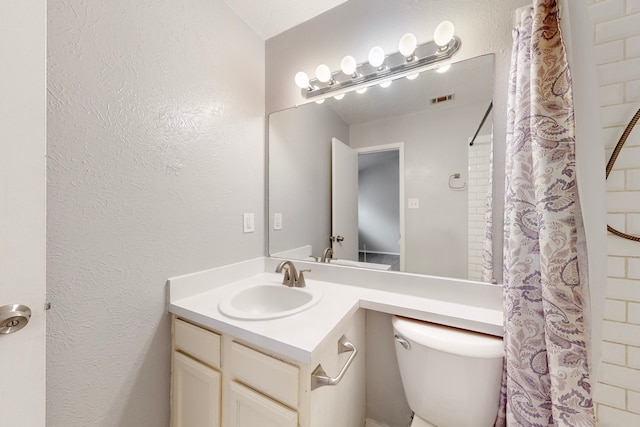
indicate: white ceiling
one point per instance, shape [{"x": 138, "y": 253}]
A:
[{"x": 271, "y": 17}]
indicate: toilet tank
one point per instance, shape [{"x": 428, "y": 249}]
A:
[{"x": 451, "y": 377}]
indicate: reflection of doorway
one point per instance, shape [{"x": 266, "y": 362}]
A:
[{"x": 380, "y": 206}]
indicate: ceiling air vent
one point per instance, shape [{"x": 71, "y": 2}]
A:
[{"x": 443, "y": 98}]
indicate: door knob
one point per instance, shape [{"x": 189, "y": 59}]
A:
[{"x": 13, "y": 317}]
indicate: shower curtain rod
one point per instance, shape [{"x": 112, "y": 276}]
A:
[{"x": 481, "y": 124}]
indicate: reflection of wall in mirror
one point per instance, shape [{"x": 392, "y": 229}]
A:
[
  {"x": 299, "y": 176},
  {"x": 478, "y": 188},
  {"x": 436, "y": 146}
]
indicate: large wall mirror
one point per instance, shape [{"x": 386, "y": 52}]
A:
[{"x": 419, "y": 199}]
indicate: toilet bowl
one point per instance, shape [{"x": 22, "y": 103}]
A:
[{"x": 451, "y": 377}]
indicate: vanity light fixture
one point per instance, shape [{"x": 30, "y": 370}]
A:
[
  {"x": 349, "y": 66},
  {"x": 410, "y": 59},
  {"x": 323, "y": 73},
  {"x": 376, "y": 57},
  {"x": 444, "y": 33},
  {"x": 302, "y": 80},
  {"x": 407, "y": 46}
]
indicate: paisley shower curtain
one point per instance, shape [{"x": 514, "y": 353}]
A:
[{"x": 547, "y": 374}]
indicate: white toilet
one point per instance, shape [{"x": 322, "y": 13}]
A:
[{"x": 451, "y": 377}]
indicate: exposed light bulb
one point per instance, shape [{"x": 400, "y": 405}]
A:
[
  {"x": 443, "y": 68},
  {"x": 361, "y": 91},
  {"x": 413, "y": 76},
  {"x": 376, "y": 56},
  {"x": 407, "y": 45},
  {"x": 386, "y": 84},
  {"x": 348, "y": 65},
  {"x": 444, "y": 33},
  {"x": 339, "y": 97},
  {"x": 302, "y": 80},
  {"x": 319, "y": 101},
  {"x": 323, "y": 73}
]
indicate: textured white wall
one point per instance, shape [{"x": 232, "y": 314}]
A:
[{"x": 156, "y": 147}]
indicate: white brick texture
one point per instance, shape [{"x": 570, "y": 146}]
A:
[
  {"x": 616, "y": 32},
  {"x": 611, "y": 417},
  {"x": 613, "y": 353}
]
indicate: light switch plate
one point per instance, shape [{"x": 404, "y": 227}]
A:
[
  {"x": 413, "y": 203},
  {"x": 277, "y": 221},
  {"x": 248, "y": 222}
]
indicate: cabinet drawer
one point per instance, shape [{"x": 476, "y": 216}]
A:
[
  {"x": 265, "y": 374},
  {"x": 201, "y": 344}
]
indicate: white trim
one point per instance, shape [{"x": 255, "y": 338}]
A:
[{"x": 396, "y": 146}]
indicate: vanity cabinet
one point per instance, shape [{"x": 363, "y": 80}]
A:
[
  {"x": 262, "y": 390},
  {"x": 247, "y": 386},
  {"x": 196, "y": 379},
  {"x": 249, "y": 409}
]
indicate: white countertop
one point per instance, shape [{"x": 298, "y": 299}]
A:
[{"x": 196, "y": 297}]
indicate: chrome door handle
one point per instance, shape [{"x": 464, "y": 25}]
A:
[
  {"x": 13, "y": 317},
  {"x": 320, "y": 378}
]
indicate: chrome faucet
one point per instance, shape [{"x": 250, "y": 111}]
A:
[
  {"x": 327, "y": 254},
  {"x": 291, "y": 275}
]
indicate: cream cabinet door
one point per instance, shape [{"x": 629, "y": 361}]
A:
[
  {"x": 250, "y": 409},
  {"x": 195, "y": 393}
]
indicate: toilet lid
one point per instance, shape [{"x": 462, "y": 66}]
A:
[{"x": 448, "y": 339}]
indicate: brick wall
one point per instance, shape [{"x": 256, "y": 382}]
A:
[
  {"x": 616, "y": 26},
  {"x": 477, "y": 188}
]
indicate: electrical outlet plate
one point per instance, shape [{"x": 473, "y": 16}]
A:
[{"x": 248, "y": 222}]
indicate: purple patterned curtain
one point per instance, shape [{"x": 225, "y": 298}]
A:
[{"x": 546, "y": 379}]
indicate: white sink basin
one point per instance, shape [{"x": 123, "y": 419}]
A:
[{"x": 269, "y": 301}]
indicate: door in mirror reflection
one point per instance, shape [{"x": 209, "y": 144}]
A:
[{"x": 344, "y": 201}]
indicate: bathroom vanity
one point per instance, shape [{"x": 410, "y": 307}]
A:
[
  {"x": 295, "y": 369},
  {"x": 218, "y": 380}
]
